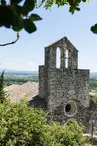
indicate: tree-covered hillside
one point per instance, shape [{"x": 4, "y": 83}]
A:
[
  {"x": 20, "y": 80},
  {"x": 93, "y": 84}
]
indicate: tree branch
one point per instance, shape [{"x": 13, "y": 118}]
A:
[{"x": 13, "y": 42}]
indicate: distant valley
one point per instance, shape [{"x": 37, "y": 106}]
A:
[
  {"x": 21, "y": 84},
  {"x": 93, "y": 75},
  {"x": 32, "y": 73}
]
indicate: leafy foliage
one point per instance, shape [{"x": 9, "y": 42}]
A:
[
  {"x": 74, "y": 5},
  {"x": 64, "y": 135},
  {"x": 16, "y": 15},
  {"x": 21, "y": 125},
  {"x": 93, "y": 84},
  {"x": 2, "y": 84},
  {"x": 94, "y": 28}
]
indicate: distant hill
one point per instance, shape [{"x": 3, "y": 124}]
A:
[
  {"x": 9, "y": 72},
  {"x": 93, "y": 75},
  {"x": 19, "y": 73}
]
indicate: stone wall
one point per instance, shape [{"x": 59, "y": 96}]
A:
[
  {"x": 65, "y": 90},
  {"x": 64, "y": 44},
  {"x": 62, "y": 86}
]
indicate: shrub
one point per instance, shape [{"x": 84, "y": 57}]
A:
[
  {"x": 65, "y": 135},
  {"x": 21, "y": 125}
]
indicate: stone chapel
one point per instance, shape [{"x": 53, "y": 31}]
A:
[{"x": 64, "y": 91}]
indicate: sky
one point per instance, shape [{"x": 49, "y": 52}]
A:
[{"x": 28, "y": 53}]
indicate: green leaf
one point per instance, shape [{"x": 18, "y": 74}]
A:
[
  {"x": 28, "y": 6},
  {"x": 3, "y": 2},
  {"x": 71, "y": 10},
  {"x": 29, "y": 26},
  {"x": 35, "y": 17},
  {"x": 77, "y": 9},
  {"x": 1, "y": 25},
  {"x": 18, "y": 9},
  {"x": 7, "y": 26},
  {"x": 84, "y": 0},
  {"x": 20, "y": 25},
  {"x": 15, "y": 1},
  {"x": 6, "y": 15},
  {"x": 94, "y": 29}
]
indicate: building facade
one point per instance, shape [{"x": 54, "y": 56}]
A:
[
  {"x": 66, "y": 87},
  {"x": 64, "y": 90}
]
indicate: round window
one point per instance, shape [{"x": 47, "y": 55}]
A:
[{"x": 70, "y": 108}]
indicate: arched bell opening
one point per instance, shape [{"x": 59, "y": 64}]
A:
[
  {"x": 58, "y": 57},
  {"x": 66, "y": 58}
]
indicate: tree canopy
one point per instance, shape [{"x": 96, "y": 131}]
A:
[
  {"x": 73, "y": 4},
  {"x": 17, "y": 13},
  {"x": 16, "y": 16}
]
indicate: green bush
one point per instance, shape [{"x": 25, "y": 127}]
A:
[
  {"x": 21, "y": 125},
  {"x": 64, "y": 135}
]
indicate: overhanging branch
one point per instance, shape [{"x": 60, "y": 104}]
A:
[{"x": 13, "y": 42}]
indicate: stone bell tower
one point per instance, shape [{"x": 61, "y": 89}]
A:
[{"x": 65, "y": 89}]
